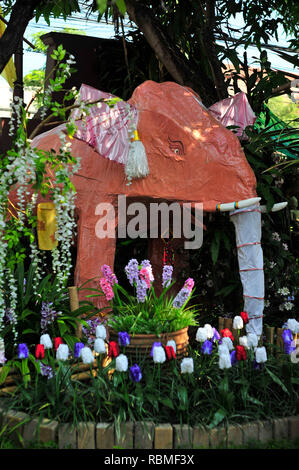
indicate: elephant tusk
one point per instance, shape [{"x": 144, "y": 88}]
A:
[
  {"x": 277, "y": 207},
  {"x": 230, "y": 206}
]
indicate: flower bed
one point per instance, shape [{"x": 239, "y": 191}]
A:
[
  {"x": 215, "y": 383},
  {"x": 226, "y": 376}
]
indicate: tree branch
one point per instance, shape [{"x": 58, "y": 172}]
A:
[
  {"x": 21, "y": 13},
  {"x": 208, "y": 40},
  {"x": 175, "y": 62}
]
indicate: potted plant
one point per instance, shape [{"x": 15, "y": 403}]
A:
[{"x": 145, "y": 316}]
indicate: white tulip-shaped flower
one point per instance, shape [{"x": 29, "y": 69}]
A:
[
  {"x": 293, "y": 325},
  {"x": 101, "y": 332},
  {"x": 187, "y": 365},
  {"x": 159, "y": 355},
  {"x": 243, "y": 341},
  {"x": 238, "y": 323},
  {"x": 223, "y": 349},
  {"x": 201, "y": 335},
  {"x": 225, "y": 361},
  {"x": 62, "y": 352},
  {"x": 209, "y": 330},
  {"x": 261, "y": 354},
  {"x": 100, "y": 346},
  {"x": 228, "y": 342},
  {"x": 86, "y": 355},
  {"x": 121, "y": 363},
  {"x": 46, "y": 341}
]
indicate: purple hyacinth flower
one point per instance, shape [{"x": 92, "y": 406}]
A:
[
  {"x": 145, "y": 263},
  {"x": 90, "y": 330},
  {"x": 46, "y": 371},
  {"x": 167, "y": 275},
  {"x": 216, "y": 336},
  {"x": 233, "y": 357},
  {"x": 135, "y": 373},
  {"x": 77, "y": 349},
  {"x": 156, "y": 344},
  {"x": 141, "y": 290},
  {"x": 181, "y": 297},
  {"x": 23, "y": 352},
  {"x": 207, "y": 347},
  {"x": 123, "y": 338},
  {"x": 48, "y": 315},
  {"x": 109, "y": 274},
  {"x": 132, "y": 270},
  {"x": 287, "y": 335},
  {"x": 289, "y": 347}
]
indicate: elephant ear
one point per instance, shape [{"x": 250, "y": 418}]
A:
[{"x": 109, "y": 125}]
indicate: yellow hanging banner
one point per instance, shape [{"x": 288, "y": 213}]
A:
[
  {"x": 9, "y": 72},
  {"x": 46, "y": 226}
]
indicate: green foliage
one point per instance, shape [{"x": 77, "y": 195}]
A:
[
  {"x": 152, "y": 315},
  {"x": 56, "y": 8},
  {"x": 153, "y": 318},
  {"x": 35, "y": 81},
  {"x": 30, "y": 301},
  {"x": 39, "y": 44},
  {"x": 284, "y": 109}
]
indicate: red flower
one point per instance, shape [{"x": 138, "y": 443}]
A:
[
  {"x": 113, "y": 349},
  {"x": 244, "y": 316},
  {"x": 227, "y": 333},
  {"x": 40, "y": 351},
  {"x": 170, "y": 354},
  {"x": 57, "y": 341},
  {"x": 240, "y": 353}
]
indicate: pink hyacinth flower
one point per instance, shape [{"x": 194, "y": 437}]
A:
[
  {"x": 145, "y": 276},
  {"x": 189, "y": 284},
  {"x": 106, "y": 288},
  {"x": 109, "y": 274}
]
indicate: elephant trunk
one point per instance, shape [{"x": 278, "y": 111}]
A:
[{"x": 247, "y": 224}]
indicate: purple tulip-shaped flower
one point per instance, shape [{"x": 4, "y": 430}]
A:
[
  {"x": 289, "y": 347},
  {"x": 77, "y": 349},
  {"x": 123, "y": 338},
  {"x": 287, "y": 335},
  {"x": 233, "y": 357},
  {"x": 135, "y": 373},
  {"x": 207, "y": 347},
  {"x": 216, "y": 336},
  {"x": 23, "y": 352}
]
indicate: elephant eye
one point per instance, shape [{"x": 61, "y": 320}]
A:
[{"x": 176, "y": 146}]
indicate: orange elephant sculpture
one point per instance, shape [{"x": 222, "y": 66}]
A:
[{"x": 191, "y": 157}]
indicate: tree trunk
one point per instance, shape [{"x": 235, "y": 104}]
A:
[
  {"x": 208, "y": 39},
  {"x": 169, "y": 54},
  {"x": 21, "y": 13}
]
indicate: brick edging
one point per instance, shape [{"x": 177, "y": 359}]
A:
[{"x": 155, "y": 436}]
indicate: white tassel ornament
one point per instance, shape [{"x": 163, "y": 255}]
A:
[{"x": 137, "y": 164}]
